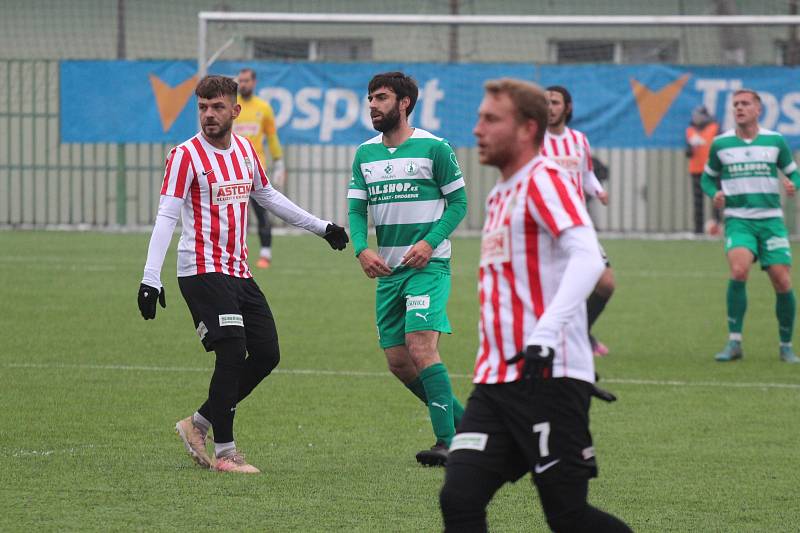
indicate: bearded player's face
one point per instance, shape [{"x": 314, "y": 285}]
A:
[
  {"x": 247, "y": 83},
  {"x": 217, "y": 115},
  {"x": 384, "y": 109},
  {"x": 556, "y": 109}
]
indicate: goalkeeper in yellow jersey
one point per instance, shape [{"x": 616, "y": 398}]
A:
[{"x": 256, "y": 121}]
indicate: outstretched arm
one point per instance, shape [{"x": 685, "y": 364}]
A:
[{"x": 272, "y": 200}]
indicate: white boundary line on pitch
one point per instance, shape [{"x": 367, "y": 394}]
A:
[
  {"x": 358, "y": 373},
  {"x": 46, "y": 453}
]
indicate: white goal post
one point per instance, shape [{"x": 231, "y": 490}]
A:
[
  {"x": 205, "y": 17},
  {"x": 649, "y": 184}
]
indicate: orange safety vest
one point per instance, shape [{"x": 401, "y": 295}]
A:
[{"x": 700, "y": 141}]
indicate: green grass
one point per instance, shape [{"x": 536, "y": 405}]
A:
[{"x": 90, "y": 394}]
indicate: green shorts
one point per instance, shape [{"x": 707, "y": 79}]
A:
[
  {"x": 766, "y": 238},
  {"x": 413, "y": 302}
]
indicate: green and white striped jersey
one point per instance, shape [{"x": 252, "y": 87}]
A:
[
  {"x": 405, "y": 188},
  {"x": 748, "y": 172}
]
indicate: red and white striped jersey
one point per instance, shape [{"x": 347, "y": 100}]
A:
[
  {"x": 571, "y": 151},
  {"x": 215, "y": 186},
  {"x": 521, "y": 268}
]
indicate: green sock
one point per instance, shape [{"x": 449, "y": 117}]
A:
[
  {"x": 440, "y": 401},
  {"x": 785, "y": 310},
  {"x": 419, "y": 391},
  {"x": 737, "y": 305}
]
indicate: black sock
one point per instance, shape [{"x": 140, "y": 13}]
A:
[
  {"x": 594, "y": 306},
  {"x": 224, "y": 389}
]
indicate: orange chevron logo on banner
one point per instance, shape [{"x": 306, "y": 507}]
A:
[
  {"x": 171, "y": 100},
  {"x": 653, "y": 105}
]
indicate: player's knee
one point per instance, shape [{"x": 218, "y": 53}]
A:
[
  {"x": 781, "y": 278},
  {"x": 564, "y": 505},
  {"x": 462, "y": 509},
  {"x": 230, "y": 352},
  {"x": 567, "y": 520},
  {"x": 739, "y": 271},
  {"x": 266, "y": 357},
  {"x": 422, "y": 348},
  {"x": 783, "y": 285},
  {"x": 405, "y": 371},
  {"x": 465, "y": 495},
  {"x": 739, "y": 274},
  {"x": 606, "y": 285}
]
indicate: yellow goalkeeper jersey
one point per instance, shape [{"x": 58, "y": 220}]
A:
[{"x": 256, "y": 121}]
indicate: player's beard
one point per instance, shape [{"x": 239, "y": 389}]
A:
[
  {"x": 245, "y": 93},
  {"x": 387, "y": 122},
  {"x": 557, "y": 121},
  {"x": 222, "y": 130},
  {"x": 499, "y": 157},
  {"x": 498, "y": 152}
]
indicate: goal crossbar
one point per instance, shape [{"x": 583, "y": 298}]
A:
[{"x": 204, "y": 17}]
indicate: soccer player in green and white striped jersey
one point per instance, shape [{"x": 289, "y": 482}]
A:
[
  {"x": 742, "y": 176},
  {"x": 413, "y": 186}
]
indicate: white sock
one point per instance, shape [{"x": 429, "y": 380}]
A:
[
  {"x": 735, "y": 337},
  {"x": 266, "y": 253},
  {"x": 201, "y": 422},
  {"x": 224, "y": 448}
]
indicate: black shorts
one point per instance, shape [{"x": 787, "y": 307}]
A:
[
  {"x": 225, "y": 306},
  {"x": 509, "y": 431}
]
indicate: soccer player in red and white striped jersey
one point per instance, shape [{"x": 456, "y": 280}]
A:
[
  {"x": 570, "y": 149},
  {"x": 534, "y": 374},
  {"x": 521, "y": 272},
  {"x": 207, "y": 183}
]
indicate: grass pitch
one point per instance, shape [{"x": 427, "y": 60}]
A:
[{"x": 91, "y": 392}]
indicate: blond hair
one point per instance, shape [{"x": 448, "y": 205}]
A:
[{"x": 530, "y": 102}]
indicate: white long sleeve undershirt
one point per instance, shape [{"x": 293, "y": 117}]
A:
[
  {"x": 592, "y": 185},
  {"x": 583, "y": 270},
  {"x": 169, "y": 210},
  {"x": 272, "y": 200}
]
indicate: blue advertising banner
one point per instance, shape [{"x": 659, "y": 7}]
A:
[
  {"x": 643, "y": 106},
  {"x": 127, "y": 101}
]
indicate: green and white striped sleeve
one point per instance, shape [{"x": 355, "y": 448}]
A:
[
  {"x": 710, "y": 179},
  {"x": 448, "y": 176},
  {"x": 357, "y": 207},
  {"x": 786, "y": 162}
]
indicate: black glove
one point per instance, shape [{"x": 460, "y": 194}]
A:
[
  {"x": 147, "y": 300},
  {"x": 538, "y": 363},
  {"x": 336, "y": 236},
  {"x": 600, "y": 393}
]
